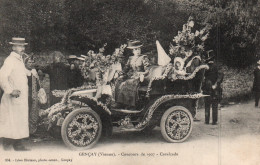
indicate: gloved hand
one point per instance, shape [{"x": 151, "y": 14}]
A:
[{"x": 34, "y": 73}]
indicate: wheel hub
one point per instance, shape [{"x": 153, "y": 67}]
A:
[
  {"x": 83, "y": 129},
  {"x": 178, "y": 125}
]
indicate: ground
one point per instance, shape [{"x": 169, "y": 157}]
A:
[{"x": 236, "y": 140}]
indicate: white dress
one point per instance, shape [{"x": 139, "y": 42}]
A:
[{"x": 14, "y": 122}]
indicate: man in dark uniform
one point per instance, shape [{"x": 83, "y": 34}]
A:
[
  {"x": 212, "y": 87},
  {"x": 75, "y": 78},
  {"x": 256, "y": 85},
  {"x": 58, "y": 73}
]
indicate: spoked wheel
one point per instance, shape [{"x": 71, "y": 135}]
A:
[
  {"x": 81, "y": 129},
  {"x": 176, "y": 124}
]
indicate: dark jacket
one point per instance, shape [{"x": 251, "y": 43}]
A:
[
  {"x": 58, "y": 73},
  {"x": 256, "y": 84},
  {"x": 213, "y": 76},
  {"x": 75, "y": 78}
]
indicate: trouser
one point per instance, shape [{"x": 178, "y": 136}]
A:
[
  {"x": 211, "y": 102},
  {"x": 12, "y": 142},
  {"x": 257, "y": 96}
]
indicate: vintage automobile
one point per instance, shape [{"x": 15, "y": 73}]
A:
[{"x": 166, "y": 99}]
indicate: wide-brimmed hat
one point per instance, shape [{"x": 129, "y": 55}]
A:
[
  {"x": 72, "y": 57},
  {"x": 132, "y": 44},
  {"x": 18, "y": 41},
  {"x": 81, "y": 58}
]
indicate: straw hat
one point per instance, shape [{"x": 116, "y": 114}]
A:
[
  {"x": 72, "y": 57},
  {"x": 132, "y": 44},
  {"x": 18, "y": 41},
  {"x": 81, "y": 58}
]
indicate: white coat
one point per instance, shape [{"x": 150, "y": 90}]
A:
[{"x": 14, "y": 111}]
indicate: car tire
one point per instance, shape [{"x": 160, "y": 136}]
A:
[
  {"x": 81, "y": 129},
  {"x": 176, "y": 124}
]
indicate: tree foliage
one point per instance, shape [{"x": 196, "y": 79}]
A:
[
  {"x": 235, "y": 27},
  {"x": 78, "y": 26}
]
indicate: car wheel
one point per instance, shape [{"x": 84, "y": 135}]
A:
[
  {"x": 176, "y": 124},
  {"x": 81, "y": 129}
]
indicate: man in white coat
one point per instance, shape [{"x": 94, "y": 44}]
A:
[{"x": 14, "y": 103}]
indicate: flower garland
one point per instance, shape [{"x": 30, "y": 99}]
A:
[
  {"x": 99, "y": 103},
  {"x": 190, "y": 76},
  {"x": 160, "y": 100},
  {"x": 55, "y": 112},
  {"x": 61, "y": 93},
  {"x": 168, "y": 69}
]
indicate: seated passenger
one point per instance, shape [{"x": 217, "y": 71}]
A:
[
  {"x": 136, "y": 68},
  {"x": 109, "y": 77},
  {"x": 179, "y": 68}
]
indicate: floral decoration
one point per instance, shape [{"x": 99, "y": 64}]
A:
[
  {"x": 100, "y": 63},
  {"x": 159, "y": 101},
  {"x": 187, "y": 43}
]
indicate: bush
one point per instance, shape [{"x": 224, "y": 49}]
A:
[{"x": 237, "y": 83}]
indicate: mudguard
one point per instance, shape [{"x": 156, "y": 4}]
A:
[{"x": 92, "y": 103}]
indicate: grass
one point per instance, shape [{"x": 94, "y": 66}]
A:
[{"x": 237, "y": 84}]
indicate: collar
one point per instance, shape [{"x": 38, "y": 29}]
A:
[
  {"x": 137, "y": 55},
  {"x": 16, "y": 55}
]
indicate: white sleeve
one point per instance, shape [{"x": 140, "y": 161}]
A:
[
  {"x": 4, "y": 76},
  {"x": 28, "y": 72}
]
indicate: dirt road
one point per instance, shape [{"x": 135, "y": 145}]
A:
[{"x": 235, "y": 141}]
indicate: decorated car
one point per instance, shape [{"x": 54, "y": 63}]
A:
[{"x": 164, "y": 95}]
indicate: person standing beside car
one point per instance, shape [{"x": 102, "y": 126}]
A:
[
  {"x": 212, "y": 87},
  {"x": 75, "y": 78},
  {"x": 256, "y": 84},
  {"x": 34, "y": 86},
  {"x": 58, "y": 72},
  {"x": 14, "y": 122}
]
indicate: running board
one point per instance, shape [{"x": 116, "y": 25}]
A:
[{"x": 126, "y": 111}]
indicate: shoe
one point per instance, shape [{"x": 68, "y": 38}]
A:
[
  {"x": 206, "y": 122},
  {"x": 214, "y": 123},
  {"x": 7, "y": 144},
  {"x": 18, "y": 146},
  {"x": 21, "y": 148},
  {"x": 7, "y": 147}
]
